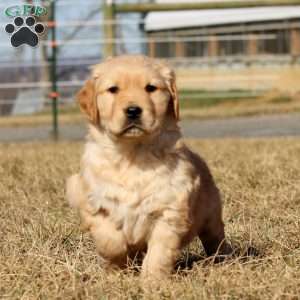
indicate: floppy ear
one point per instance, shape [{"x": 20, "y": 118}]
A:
[
  {"x": 170, "y": 78},
  {"x": 174, "y": 95},
  {"x": 88, "y": 101}
]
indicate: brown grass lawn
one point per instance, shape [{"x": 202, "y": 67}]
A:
[{"x": 44, "y": 256}]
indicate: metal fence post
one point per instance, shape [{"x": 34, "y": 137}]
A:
[{"x": 53, "y": 59}]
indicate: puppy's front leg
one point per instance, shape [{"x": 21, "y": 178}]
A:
[
  {"x": 110, "y": 242},
  {"x": 163, "y": 251}
]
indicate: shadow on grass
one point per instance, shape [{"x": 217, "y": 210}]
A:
[
  {"x": 242, "y": 255},
  {"x": 190, "y": 259}
]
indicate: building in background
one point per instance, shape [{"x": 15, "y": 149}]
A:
[
  {"x": 249, "y": 49},
  {"x": 254, "y": 49},
  {"x": 245, "y": 35}
]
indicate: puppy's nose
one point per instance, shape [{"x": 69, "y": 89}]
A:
[{"x": 133, "y": 112}]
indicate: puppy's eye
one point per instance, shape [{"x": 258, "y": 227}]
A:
[
  {"x": 150, "y": 88},
  {"x": 113, "y": 89}
]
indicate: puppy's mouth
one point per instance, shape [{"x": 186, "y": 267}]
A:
[{"x": 133, "y": 130}]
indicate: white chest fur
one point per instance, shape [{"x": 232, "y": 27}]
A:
[{"x": 136, "y": 196}]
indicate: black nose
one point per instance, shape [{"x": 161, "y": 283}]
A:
[{"x": 133, "y": 112}]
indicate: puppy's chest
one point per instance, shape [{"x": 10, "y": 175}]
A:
[{"x": 136, "y": 199}]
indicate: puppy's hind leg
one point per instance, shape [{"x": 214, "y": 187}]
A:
[
  {"x": 212, "y": 236},
  {"x": 74, "y": 191}
]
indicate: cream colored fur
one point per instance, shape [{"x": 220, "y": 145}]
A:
[{"x": 141, "y": 190}]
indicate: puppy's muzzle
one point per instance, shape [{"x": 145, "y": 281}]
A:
[{"x": 133, "y": 113}]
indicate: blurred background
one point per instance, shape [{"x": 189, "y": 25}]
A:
[{"x": 232, "y": 59}]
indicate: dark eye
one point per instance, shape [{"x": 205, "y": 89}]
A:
[
  {"x": 113, "y": 89},
  {"x": 150, "y": 88}
]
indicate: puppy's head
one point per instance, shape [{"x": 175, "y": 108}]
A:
[{"x": 130, "y": 97}]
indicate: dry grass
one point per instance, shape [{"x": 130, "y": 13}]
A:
[{"x": 44, "y": 256}]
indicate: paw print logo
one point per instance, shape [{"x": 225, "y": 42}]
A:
[{"x": 25, "y": 31}]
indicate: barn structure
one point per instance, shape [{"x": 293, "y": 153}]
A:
[
  {"x": 243, "y": 34},
  {"x": 253, "y": 49}
]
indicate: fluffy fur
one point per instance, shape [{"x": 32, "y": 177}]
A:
[{"x": 140, "y": 190}]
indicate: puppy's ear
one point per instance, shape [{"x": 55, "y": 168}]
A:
[
  {"x": 88, "y": 101},
  {"x": 170, "y": 78},
  {"x": 174, "y": 95}
]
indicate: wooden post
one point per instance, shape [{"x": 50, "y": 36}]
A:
[
  {"x": 213, "y": 46},
  {"x": 151, "y": 48},
  {"x": 179, "y": 49},
  {"x": 252, "y": 45},
  {"x": 109, "y": 28},
  {"x": 295, "y": 42}
]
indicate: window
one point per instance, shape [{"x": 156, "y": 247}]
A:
[
  {"x": 164, "y": 49},
  {"x": 195, "y": 49},
  {"x": 280, "y": 44},
  {"x": 231, "y": 47}
]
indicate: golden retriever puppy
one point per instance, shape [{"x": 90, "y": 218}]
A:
[{"x": 140, "y": 189}]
